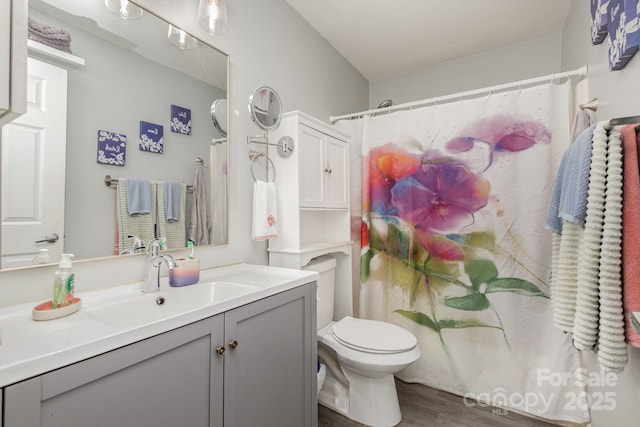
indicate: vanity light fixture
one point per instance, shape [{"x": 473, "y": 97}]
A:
[
  {"x": 124, "y": 9},
  {"x": 212, "y": 16},
  {"x": 180, "y": 39}
]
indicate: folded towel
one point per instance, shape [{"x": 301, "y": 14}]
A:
[
  {"x": 57, "y": 38},
  {"x": 172, "y": 190},
  {"x": 138, "y": 196},
  {"x": 264, "y": 211},
  {"x": 569, "y": 196},
  {"x": 631, "y": 230}
]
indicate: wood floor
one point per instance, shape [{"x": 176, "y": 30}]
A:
[{"x": 423, "y": 406}]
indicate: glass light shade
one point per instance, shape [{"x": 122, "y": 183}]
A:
[
  {"x": 124, "y": 9},
  {"x": 180, "y": 39},
  {"x": 212, "y": 16}
]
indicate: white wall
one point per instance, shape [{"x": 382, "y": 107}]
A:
[
  {"x": 533, "y": 58},
  {"x": 269, "y": 44}
]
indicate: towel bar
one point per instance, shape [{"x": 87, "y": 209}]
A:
[{"x": 113, "y": 182}]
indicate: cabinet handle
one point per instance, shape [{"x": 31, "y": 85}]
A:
[
  {"x": 327, "y": 170},
  {"x": 220, "y": 350},
  {"x": 233, "y": 344}
]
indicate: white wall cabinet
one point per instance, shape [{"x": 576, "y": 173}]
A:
[
  {"x": 253, "y": 365},
  {"x": 313, "y": 200},
  {"x": 323, "y": 166},
  {"x": 13, "y": 59}
]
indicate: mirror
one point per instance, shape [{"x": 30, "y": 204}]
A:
[
  {"x": 265, "y": 108},
  {"x": 135, "y": 81},
  {"x": 219, "y": 115}
]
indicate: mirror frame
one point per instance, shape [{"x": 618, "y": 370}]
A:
[{"x": 258, "y": 113}]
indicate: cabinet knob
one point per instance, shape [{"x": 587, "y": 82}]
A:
[
  {"x": 233, "y": 344},
  {"x": 327, "y": 170},
  {"x": 220, "y": 350}
]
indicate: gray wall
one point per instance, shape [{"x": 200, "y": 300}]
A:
[{"x": 525, "y": 60}]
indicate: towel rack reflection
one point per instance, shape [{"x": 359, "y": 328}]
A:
[
  {"x": 254, "y": 155},
  {"x": 113, "y": 183}
]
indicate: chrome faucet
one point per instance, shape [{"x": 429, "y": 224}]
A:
[{"x": 154, "y": 261}]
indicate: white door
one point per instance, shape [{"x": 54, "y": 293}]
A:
[{"x": 33, "y": 169}]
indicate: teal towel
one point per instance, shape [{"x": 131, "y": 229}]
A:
[
  {"x": 138, "y": 196},
  {"x": 172, "y": 190}
]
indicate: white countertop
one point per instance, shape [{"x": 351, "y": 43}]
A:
[{"x": 31, "y": 348}]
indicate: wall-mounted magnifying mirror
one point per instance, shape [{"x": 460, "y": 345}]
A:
[
  {"x": 219, "y": 115},
  {"x": 265, "y": 108}
]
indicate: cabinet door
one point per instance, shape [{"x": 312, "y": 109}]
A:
[
  {"x": 174, "y": 379},
  {"x": 13, "y": 63},
  {"x": 335, "y": 174},
  {"x": 270, "y": 376},
  {"x": 311, "y": 168}
]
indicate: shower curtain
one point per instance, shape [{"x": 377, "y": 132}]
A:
[{"x": 453, "y": 246}]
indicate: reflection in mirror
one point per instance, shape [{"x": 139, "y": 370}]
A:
[
  {"x": 265, "y": 108},
  {"x": 139, "y": 108},
  {"x": 219, "y": 115}
]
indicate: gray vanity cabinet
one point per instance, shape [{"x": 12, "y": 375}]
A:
[{"x": 264, "y": 376}]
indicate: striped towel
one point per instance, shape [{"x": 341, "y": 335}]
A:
[
  {"x": 142, "y": 226},
  {"x": 174, "y": 232}
]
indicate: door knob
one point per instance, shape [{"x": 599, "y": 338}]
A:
[
  {"x": 49, "y": 238},
  {"x": 220, "y": 350},
  {"x": 233, "y": 344}
]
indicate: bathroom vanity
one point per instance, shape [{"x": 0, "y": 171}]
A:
[{"x": 236, "y": 349}]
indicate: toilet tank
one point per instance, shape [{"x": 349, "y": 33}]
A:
[{"x": 325, "y": 266}]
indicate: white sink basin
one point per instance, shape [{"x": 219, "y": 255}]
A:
[{"x": 152, "y": 307}]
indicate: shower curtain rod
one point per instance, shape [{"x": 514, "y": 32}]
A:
[{"x": 580, "y": 72}]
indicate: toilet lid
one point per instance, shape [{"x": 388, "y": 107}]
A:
[{"x": 373, "y": 336}]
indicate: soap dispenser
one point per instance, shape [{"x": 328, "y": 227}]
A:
[{"x": 63, "y": 285}]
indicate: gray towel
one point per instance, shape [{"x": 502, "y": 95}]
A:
[
  {"x": 172, "y": 190},
  {"x": 57, "y": 38},
  {"x": 199, "y": 221},
  {"x": 138, "y": 196}
]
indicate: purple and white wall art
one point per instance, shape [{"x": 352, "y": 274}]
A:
[
  {"x": 599, "y": 20},
  {"x": 180, "y": 120},
  {"x": 112, "y": 148},
  {"x": 624, "y": 33},
  {"x": 151, "y": 137}
]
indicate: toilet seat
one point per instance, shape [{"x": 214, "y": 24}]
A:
[{"x": 373, "y": 336}]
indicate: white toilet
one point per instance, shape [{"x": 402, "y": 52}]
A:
[{"x": 361, "y": 357}]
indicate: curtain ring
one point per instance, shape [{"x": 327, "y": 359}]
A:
[{"x": 254, "y": 155}]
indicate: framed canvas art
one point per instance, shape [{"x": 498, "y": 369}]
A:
[
  {"x": 151, "y": 137},
  {"x": 112, "y": 148}
]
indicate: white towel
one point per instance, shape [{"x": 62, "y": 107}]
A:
[
  {"x": 142, "y": 226},
  {"x": 264, "y": 211}
]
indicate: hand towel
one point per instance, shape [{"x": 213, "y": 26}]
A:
[
  {"x": 584, "y": 119},
  {"x": 173, "y": 232},
  {"x": 199, "y": 224},
  {"x": 138, "y": 196},
  {"x": 631, "y": 231},
  {"x": 264, "y": 211},
  {"x": 172, "y": 191}
]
